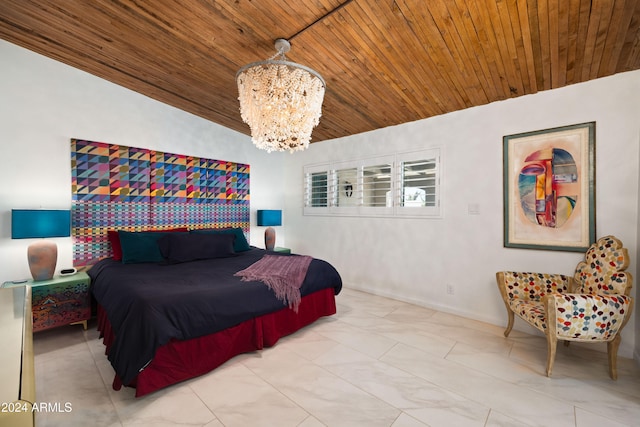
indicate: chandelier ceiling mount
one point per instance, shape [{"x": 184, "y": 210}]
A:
[{"x": 280, "y": 100}]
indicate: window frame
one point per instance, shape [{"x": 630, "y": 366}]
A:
[
  {"x": 371, "y": 162},
  {"x": 337, "y": 188},
  {"x": 395, "y": 162},
  {"x": 308, "y": 186},
  {"x": 430, "y": 211}
]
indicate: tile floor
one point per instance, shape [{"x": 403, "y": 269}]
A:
[{"x": 378, "y": 362}]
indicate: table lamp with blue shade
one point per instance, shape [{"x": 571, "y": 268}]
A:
[
  {"x": 269, "y": 218},
  {"x": 41, "y": 223}
]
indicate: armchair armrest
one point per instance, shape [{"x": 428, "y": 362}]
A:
[
  {"x": 587, "y": 317},
  {"x": 531, "y": 286}
]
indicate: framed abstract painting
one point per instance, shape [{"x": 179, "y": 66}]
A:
[{"x": 549, "y": 188}]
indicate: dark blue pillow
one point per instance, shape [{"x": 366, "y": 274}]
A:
[
  {"x": 239, "y": 245},
  {"x": 142, "y": 246},
  {"x": 185, "y": 247}
]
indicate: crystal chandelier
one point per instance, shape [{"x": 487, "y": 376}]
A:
[{"x": 281, "y": 101}]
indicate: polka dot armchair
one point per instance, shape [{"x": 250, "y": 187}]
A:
[{"x": 592, "y": 306}]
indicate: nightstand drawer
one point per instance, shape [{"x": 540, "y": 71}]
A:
[{"x": 60, "y": 301}]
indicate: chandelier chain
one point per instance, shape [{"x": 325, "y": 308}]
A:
[{"x": 279, "y": 53}]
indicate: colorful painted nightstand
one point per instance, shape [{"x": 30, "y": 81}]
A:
[{"x": 63, "y": 300}]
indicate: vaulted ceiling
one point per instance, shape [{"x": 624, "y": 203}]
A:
[{"x": 385, "y": 62}]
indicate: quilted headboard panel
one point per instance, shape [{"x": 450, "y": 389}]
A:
[{"x": 135, "y": 189}]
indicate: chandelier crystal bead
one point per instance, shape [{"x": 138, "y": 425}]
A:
[{"x": 281, "y": 101}]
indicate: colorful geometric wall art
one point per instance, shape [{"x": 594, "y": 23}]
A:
[{"x": 116, "y": 187}]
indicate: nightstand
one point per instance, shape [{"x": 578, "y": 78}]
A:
[
  {"x": 282, "y": 250},
  {"x": 63, "y": 300}
]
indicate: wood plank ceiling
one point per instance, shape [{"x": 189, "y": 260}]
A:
[{"x": 385, "y": 62}]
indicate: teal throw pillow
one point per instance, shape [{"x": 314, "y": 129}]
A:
[{"x": 139, "y": 247}]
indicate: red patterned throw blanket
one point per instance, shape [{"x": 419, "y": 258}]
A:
[{"x": 282, "y": 274}]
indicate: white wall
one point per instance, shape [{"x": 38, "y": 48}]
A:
[
  {"x": 414, "y": 259},
  {"x": 636, "y": 354},
  {"x": 45, "y": 103}
]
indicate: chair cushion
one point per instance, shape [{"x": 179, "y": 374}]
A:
[
  {"x": 590, "y": 317},
  {"x": 601, "y": 272},
  {"x": 530, "y": 311}
]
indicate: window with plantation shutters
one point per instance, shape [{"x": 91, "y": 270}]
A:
[
  {"x": 319, "y": 181},
  {"x": 419, "y": 183},
  {"x": 346, "y": 187},
  {"x": 402, "y": 185},
  {"x": 376, "y": 185},
  {"x": 316, "y": 188}
]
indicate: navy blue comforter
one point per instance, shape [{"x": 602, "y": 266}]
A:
[{"x": 149, "y": 304}]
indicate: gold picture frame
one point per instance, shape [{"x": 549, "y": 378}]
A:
[{"x": 549, "y": 188}]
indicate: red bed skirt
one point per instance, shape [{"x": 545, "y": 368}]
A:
[{"x": 180, "y": 360}]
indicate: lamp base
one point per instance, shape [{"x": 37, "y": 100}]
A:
[
  {"x": 42, "y": 256},
  {"x": 270, "y": 238}
]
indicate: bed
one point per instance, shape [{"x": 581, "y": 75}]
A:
[{"x": 168, "y": 318}]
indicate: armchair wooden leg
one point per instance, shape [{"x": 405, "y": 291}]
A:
[
  {"x": 510, "y": 323},
  {"x": 612, "y": 352},
  {"x": 552, "y": 342}
]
